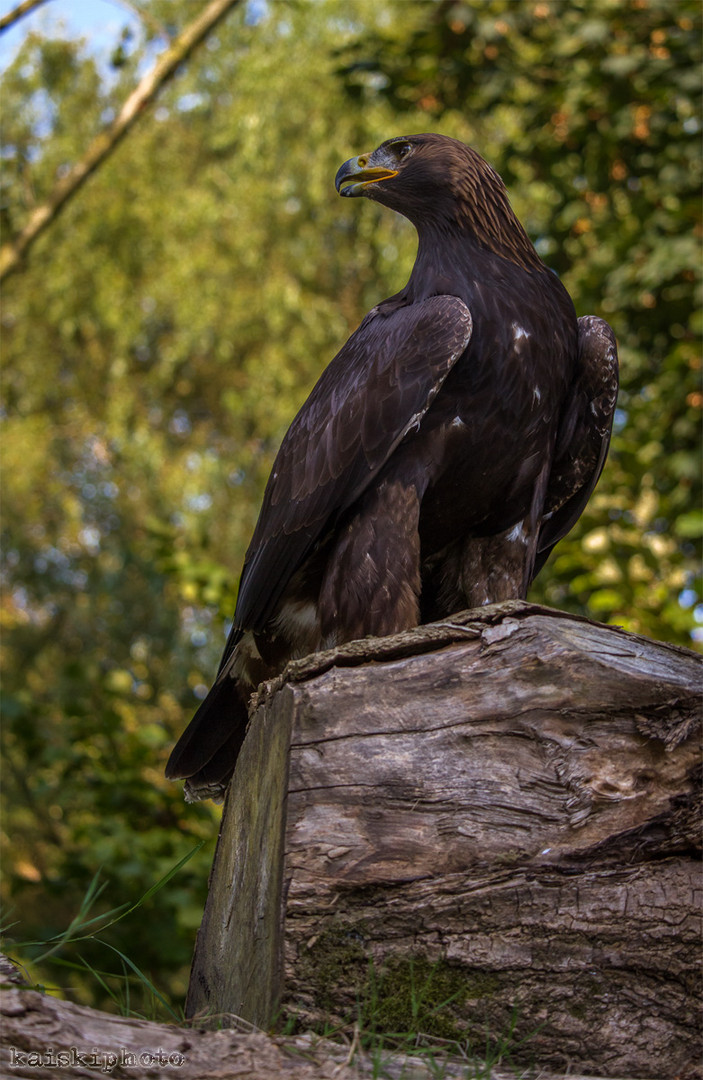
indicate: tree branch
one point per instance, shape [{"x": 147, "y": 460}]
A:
[
  {"x": 11, "y": 253},
  {"x": 22, "y": 9}
]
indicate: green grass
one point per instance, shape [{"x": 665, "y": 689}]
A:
[
  {"x": 129, "y": 988},
  {"x": 408, "y": 1010}
]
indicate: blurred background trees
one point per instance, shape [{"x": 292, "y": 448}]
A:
[{"x": 161, "y": 334}]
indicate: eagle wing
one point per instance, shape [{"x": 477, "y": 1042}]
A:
[
  {"x": 374, "y": 392},
  {"x": 584, "y": 435}
]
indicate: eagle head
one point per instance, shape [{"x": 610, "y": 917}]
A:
[
  {"x": 439, "y": 183},
  {"x": 414, "y": 171}
]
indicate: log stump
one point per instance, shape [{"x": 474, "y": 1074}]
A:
[{"x": 498, "y": 814}]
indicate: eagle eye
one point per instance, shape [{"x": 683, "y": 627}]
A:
[{"x": 403, "y": 150}]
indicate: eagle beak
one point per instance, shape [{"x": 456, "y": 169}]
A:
[{"x": 358, "y": 175}]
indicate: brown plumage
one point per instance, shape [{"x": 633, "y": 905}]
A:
[{"x": 453, "y": 440}]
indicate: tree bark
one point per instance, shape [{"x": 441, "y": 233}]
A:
[
  {"x": 503, "y": 807},
  {"x": 12, "y": 253}
]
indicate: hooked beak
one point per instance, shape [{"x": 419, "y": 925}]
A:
[{"x": 357, "y": 174}]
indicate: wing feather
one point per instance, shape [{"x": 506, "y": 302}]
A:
[
  {"x": 375, "y": 389},
  {"x": 584, "y": 434}
]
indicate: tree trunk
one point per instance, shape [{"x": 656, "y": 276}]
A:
[{"x": 496, "y": 815}]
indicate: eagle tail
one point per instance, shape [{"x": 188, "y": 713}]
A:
[
  {"x": 206, "y": 752},
  {"x": 212, "y": 780}
]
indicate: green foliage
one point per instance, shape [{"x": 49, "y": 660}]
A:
[
  {"x": 171, "y": 320},
  {"x": 86, "y": 929}
]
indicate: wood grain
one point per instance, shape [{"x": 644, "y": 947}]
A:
[{"x": 238, "y": 950}]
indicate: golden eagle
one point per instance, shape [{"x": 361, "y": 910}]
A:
[{"x": 449, "y": 445}]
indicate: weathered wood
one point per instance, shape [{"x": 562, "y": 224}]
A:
[
  {"x": 42, "y": 1037},
  {"x": 242, "y": 922},
  {"x": 506, "y": 800}
]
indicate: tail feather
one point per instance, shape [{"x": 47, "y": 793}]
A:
[
  {"x": 211, "y": 781},
  {"x": 211, "y": 742}
]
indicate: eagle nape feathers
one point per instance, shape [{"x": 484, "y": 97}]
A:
[{"x": 449, "y": 445}]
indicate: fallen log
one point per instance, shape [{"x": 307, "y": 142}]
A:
[{"x": 498, "y": 814}]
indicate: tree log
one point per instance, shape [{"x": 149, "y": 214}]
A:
[{"x": 501, "y": 811}]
